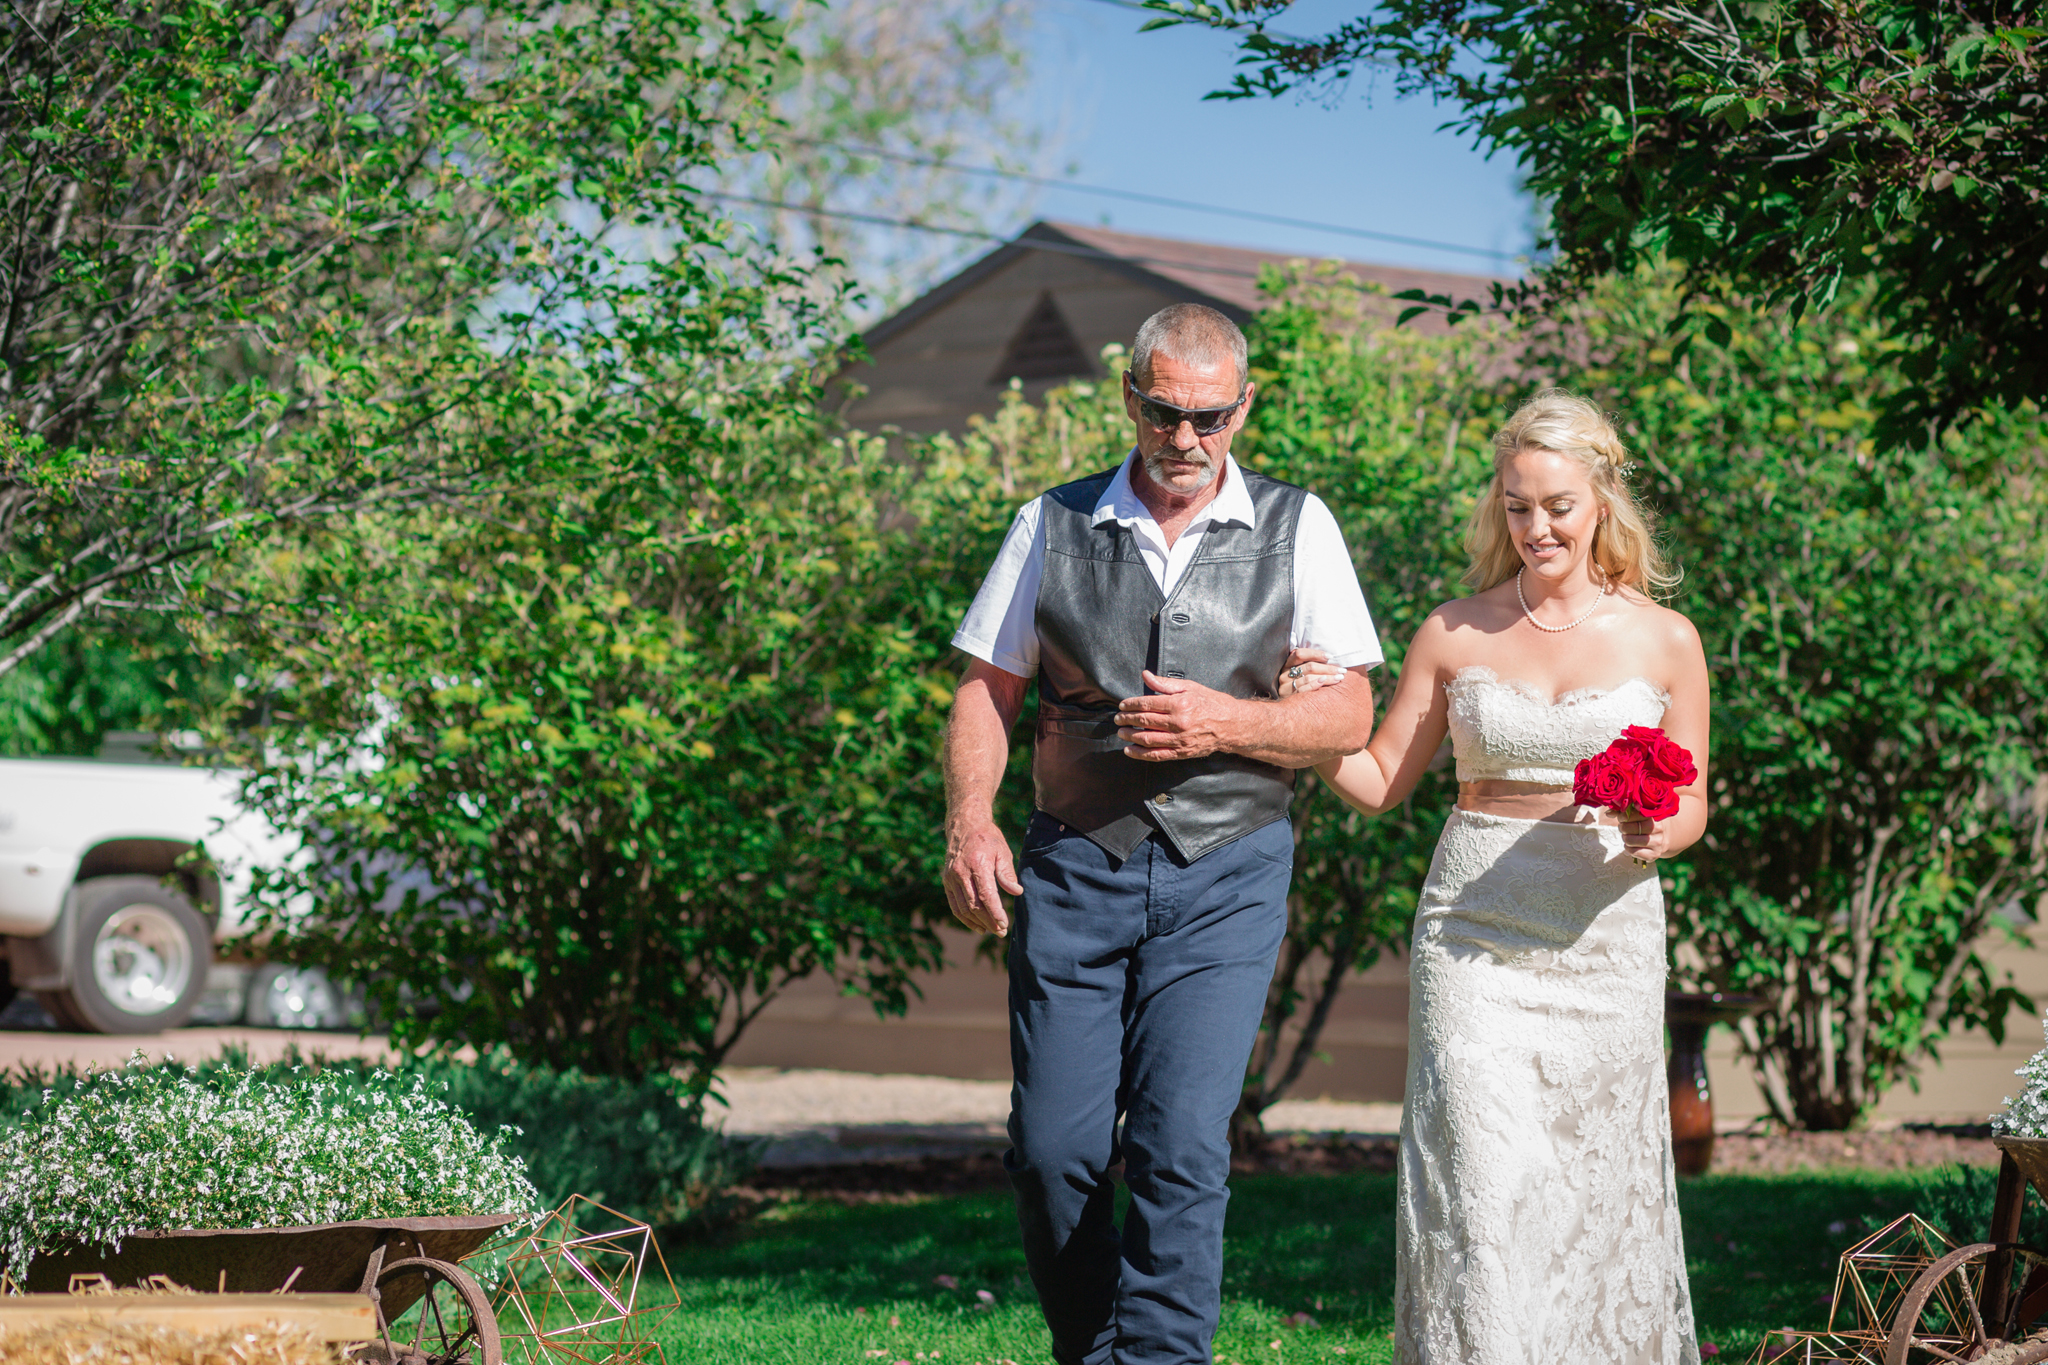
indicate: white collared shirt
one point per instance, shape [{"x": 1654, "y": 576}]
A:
[{"x": 1001, "y": 627}]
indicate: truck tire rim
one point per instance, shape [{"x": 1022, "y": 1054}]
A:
[
  {"x": 141, "y": 960},
  {"x": 301, "y": 999}
]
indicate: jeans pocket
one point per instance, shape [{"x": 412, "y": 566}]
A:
[
  {"x": 1043, "y": 834},
  {"x": 1274, "y": 842}
]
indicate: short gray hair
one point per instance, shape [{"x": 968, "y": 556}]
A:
[{"x": 1192, "y": 334}]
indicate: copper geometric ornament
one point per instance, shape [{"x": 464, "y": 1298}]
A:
[
  {"x": 1877, "y": 1272},
  {"x": 1873, "y": 1277},
  {"x": 1906, "y": 1294},
  {"x": 1786, "y": 1346},
  {"x": 587, "y": 1286}
]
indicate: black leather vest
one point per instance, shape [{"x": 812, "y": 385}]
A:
[{"x": 1102, "y": 620}]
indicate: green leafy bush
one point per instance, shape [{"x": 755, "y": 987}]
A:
[
  {"x": 1958, "y": 1200},
  {"x": 651, "y": 746},
  {"x": 636, "y": 1146},
  {"x": 1388, "y": 428},
  {"x": 154, "y": 1147},
  {"x": 1873, "y": 621}
]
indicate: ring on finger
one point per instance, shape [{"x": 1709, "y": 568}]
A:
[{"x": 1294, "y": 672}]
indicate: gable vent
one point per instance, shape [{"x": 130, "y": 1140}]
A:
[{"x": 1044, "y": 347}]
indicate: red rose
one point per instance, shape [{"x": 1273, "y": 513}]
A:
[
  {"x": 1663, "y": 758},
  {"x": 1656, "y": 799},
  {"x": 1606, "y": 780},
  {"x": 1582, "y": 779}
]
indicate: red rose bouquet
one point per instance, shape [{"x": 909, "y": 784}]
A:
[{"x": 1642, "y": 771}]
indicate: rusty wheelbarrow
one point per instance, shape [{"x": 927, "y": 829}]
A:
[{"x": 401, "y": 1264}]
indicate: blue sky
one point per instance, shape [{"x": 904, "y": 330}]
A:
[{"x": 1125, "y": 109}]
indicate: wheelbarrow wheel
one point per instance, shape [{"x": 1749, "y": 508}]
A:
[
  {"x": 449, "y": 1321},
  {"x": 1949, "y": 1289}
]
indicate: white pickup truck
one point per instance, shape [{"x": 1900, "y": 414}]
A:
[{"x": 105, "y": 912}]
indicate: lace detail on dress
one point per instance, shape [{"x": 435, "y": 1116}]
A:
[
  {"x": 1538, "y": 1217},
  {"x": 1504, "y": 729}
]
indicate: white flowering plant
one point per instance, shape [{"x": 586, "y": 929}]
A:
[
  {"x": 150, "y": 1148},
  {"x": 2027, "y": 1115}
]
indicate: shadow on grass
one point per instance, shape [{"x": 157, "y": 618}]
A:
[
  {"x": 1761, "y": 1253},
  {"x": 1292, "y": 1240}
]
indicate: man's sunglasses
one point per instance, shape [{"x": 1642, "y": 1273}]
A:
[{"x": 1167, "y": 417}]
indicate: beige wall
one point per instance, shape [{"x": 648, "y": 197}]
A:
[
  {"x": 1973, "y": 1080},
  {"x": 960, "y": 1029}
]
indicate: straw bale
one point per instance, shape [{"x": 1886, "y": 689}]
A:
[{"x": 140, "y": 1344}]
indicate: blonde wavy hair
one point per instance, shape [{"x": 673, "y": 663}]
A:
[{"x": 1624, "y": 548}]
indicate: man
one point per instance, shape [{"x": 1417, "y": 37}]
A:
[{"x": 1156, "y": 603}]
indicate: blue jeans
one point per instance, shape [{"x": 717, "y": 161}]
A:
[{"x": 1135, "y": 993}]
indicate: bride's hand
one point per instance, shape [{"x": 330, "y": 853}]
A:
[
  {"x": 1645, "y": 840},
  {"x": 1306, "y": 669}
]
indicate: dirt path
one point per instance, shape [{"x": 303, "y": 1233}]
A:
[
  {"x": 808, "y": 1116},
  {"x": 830, "y": 1118},
  {"x": 48, "y": 1048},
  {"x": 817, "y": 1117},
  {"x": 836, "y": 1118}
]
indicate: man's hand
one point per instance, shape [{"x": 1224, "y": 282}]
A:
[
  {"x": 978, "y": 870},
  {"x": 1184, "y": 720},
  {"x": 1188, "y": 720}
]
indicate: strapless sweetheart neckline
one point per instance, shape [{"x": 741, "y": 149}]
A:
[
  {"x": 1480, "y": 673},
  {"x": 1509, "y": 731}
]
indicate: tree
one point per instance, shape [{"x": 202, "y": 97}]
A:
[
  {"x": 1781, "y": 151},
  {"x": 874, "y": 97},
  {"x": 67, "y": 697},
  {"x": 1387, "y": 429},
  {"x": 258, "y": 255},
  {"x": 606, "y": 767},
  {"x": 1874, "y": 622},
  {"x": 603, "y": 766}
]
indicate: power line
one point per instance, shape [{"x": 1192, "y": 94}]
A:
[
  {"x": 1239, "y": 26},
  {"x": 1139, "y": 5},
  {"x": 1160, "y": 200},
  {"x": 874, "y": 218},
  {"x": 1034, "y": 243}
]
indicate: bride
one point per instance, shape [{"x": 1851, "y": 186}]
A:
[{"x": 1538, "y": 1219}]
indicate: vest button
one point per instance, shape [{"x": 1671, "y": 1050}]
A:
[{"x": 1163, "y": 799}]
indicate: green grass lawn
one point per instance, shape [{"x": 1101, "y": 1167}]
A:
[{"x": 825, "y": 1284}]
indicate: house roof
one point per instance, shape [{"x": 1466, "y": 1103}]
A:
[{"x": 1227, "y": 276}]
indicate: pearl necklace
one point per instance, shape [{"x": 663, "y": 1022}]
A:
[{"x": 1554, "y": 630}]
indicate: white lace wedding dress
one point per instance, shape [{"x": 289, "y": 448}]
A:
[{"x": 1538, "y": 1219}]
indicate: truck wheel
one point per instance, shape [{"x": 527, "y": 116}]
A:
[
  {"x": 294, "y": 997},
  {"x": 139, "y": 957},
  {"x": 59, "y": 1009}
]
